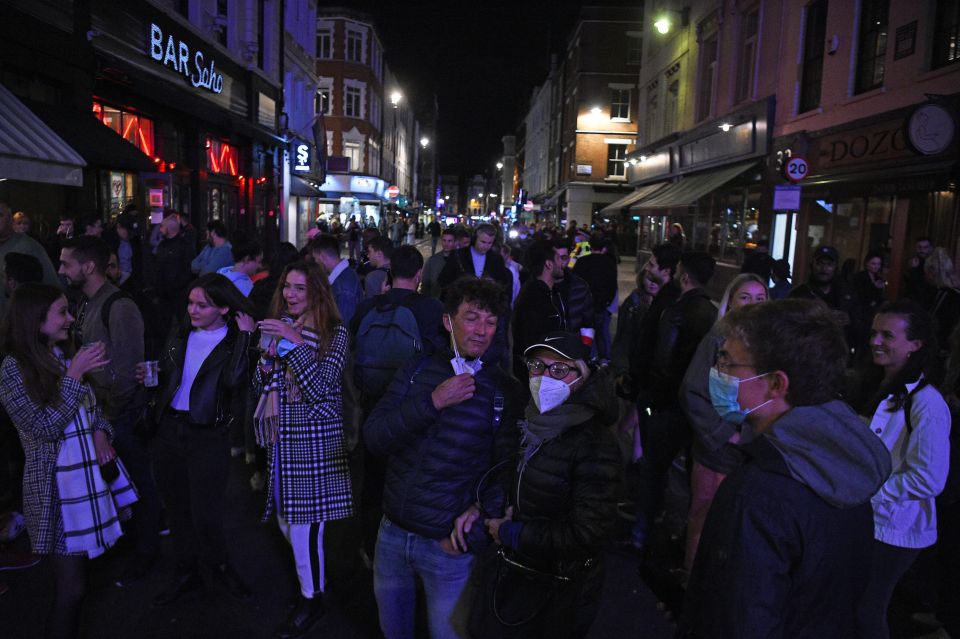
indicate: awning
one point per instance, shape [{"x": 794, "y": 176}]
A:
[
  {"x": 363, "y": 198},
  {"x": 632, "y": 198},
  {"x": 689, "y": 189},
  {"x": 99, "y": 145},
  {"x": 302, "y": 188},
  {"x": 31, "y": 151}
]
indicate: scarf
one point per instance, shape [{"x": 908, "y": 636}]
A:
[
  {"x": 91, "y": 508},
  {"x": 267, "y": 414},
  {"x": 539, "y": 428}
]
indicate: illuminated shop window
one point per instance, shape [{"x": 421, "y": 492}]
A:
[
  {"x": 222, "y": 157},
  {"x": 134, "y": 128}
]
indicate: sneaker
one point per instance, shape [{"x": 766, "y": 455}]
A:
[
  {"x": 18, "y": 560},
  {"x": 258, "y": 482},
  {"x": 139, "y": 566}
]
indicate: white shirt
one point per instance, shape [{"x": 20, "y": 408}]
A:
[
  {"x": 338, "y": 269},
  {"x": 199, "y": 346},
  {"x": 479, "y": 260},
  {"x": 904, "y": 509}
]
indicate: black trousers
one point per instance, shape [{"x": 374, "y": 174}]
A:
[
  {"x": 193, "y": 464},
  {"x": 887, "y": 565}
]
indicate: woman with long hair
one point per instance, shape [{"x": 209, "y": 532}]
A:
[
  {"x": 74, "y": 491},
  {"x": 299, "y": 419},
  {"x": 201, "y": 364},
  {"x": 714, "y": 435},
  {"x": 910, "y": 416}
]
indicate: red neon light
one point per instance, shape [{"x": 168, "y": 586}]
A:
[
  {"x": 212, "y": 160},
  {"x": 126, "y": 130},
  {"x": 145, "y": 146}
]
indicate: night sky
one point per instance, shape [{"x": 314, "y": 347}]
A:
[{"x": 482, "y": 59}]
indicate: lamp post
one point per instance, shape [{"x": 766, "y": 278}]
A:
[{"x": 663, "y": 23}]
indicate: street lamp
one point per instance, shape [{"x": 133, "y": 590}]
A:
[
  {"x": 663, "y": 23},
  {"x": 499, "y": 165},
  {"x": 424, "y": 142}
]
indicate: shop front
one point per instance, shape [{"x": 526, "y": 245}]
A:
[
  {"x": 347, "y": 196},
  {"x": 878, "y": 185}
]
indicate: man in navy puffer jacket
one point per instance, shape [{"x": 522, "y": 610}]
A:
[{"x": 444, "y": 422}]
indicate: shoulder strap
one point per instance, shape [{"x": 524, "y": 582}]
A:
[{"x": 108, "y": 304}]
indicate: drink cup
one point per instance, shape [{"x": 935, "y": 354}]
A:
[
  {"x": 151, "y": 377},
  {"x": 586, "y": 336}
]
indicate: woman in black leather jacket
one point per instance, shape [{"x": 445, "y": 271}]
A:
[
  {"x": 563, "y": 498},
  {"x": 191, "y": 413}
]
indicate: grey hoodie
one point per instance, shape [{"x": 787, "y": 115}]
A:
[{"x": 828, "y": 448}]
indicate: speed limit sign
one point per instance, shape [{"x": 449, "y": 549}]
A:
[{"x": 796, "y": 169}]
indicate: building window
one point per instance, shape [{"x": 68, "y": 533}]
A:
[
  {"x": 814, "y": 39},
  {"x": 708, "y": 74},
  {"x": 222, "y": 157},
  {"x": 220, "y": 22},
  {"x": 132, "y": 127},
  {"x": 620, "y": 104},
  {"x": 616, "y": 160},
  {"x": 324, "y": 100},
  {"x": 946, "y": 35},
  {"x": 634, "y": 49},
  {"x": 325, "y": 43},
  {"x": 354, "y": 46},
  {"x": 873, "y": 44},
  {"x": 353, "y": 151},
  {"x": 353, "y": 99},
  {"x": 671, "y": 107},
  {"x": 748, "y": 54}
]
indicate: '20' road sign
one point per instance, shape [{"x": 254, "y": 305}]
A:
[{"x": 796, "y": 169}]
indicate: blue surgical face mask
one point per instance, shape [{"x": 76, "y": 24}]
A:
[{"x": 724, "y": 395}]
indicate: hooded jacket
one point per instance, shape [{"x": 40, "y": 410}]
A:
[{"x": 786, "y": 544}]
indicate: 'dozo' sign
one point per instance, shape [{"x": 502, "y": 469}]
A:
[
  {"x": 876, "y": 143},
  {"x": 176, "y": 54}
]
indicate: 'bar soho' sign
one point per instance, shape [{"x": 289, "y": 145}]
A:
[{"x": 176, "y": 55}]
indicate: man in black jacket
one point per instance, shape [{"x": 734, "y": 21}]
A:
[
  {"x": 444, "y": 423},
  {"x": 478, "y": 260},
  {"x": 535, "y": 312},
  {"x": 599, "y": 270},
  {"x": 786, "y": 544},
  {"x": 571, "y": 293},
  {"x": 172, "y": 272},
  {"x": 825, "y": 285},
  {"x": 680, "y": 329}
]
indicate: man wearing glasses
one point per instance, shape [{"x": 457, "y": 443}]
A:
[{"x": 790, "y": 532}]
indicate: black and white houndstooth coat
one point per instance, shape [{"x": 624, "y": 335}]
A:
[{"x": 311, "y": 452}]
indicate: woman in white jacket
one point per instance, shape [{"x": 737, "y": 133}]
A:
[{"x": 912, "y": 419}]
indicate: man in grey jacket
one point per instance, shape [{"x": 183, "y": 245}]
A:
[{"x": 110, "y": 316}]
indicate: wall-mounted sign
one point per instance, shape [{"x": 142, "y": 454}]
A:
[
  {"x": 392, "y": 191},
  {"x": 156, "y": 198},
  {"x": 176, "y": 54},
  {"x": 880, "y": 142},
  {"x": 930, "y": 129},
  {"x": 301, "y": 157},
  {"x": 796, "y": 169},
  {"x": 786, "y": 198},
  {"x": 584, "y": 169}
]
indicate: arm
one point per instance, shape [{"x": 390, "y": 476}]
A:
[
  {"x": 695, "y": 398},
  {"x": 126, "y": 349},
  {"x": 319, "y": 377},
  {"x": 45, "y": 423},
  {"x": 400, "y": 417},
  {"x": 196, "y": 265},
  {"x": 923, "y": 473}
]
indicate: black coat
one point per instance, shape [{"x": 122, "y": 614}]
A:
[
  {"x": 599, "y": 271},
  {"x": 775, "y": 559},
  {"x": 644, "y": 340},
  {"x": 437, "y": 458},
  {"x": 460, "y": 263},
  {"x": 572, "y": 295},
  {"x": 681, "y": 328},
  {"x": 566, "y": 493},
  {"x": 224, "y": 369},
  {"x": 534, "y": 315},
  {"x": 172, "y": 271}
]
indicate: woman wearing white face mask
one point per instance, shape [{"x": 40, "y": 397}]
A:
[
  {"x": 714, "y": 435},
  {"x": 563, "y": 497}
]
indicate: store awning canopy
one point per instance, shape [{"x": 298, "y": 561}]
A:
[
  {"x": 689, "y": 189},
  {"x": 302, "y": 188},
  {"x": 99, "y": 145},
  {"x": 31, "y": 151},
  {"x": 632, "y": 198}
]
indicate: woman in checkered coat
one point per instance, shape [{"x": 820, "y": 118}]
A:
[
  {"x": 300, "y": 420},
  {"x": 64, "y": 439}
]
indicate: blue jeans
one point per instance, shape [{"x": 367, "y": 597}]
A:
[{"x": 400, "y": 557}]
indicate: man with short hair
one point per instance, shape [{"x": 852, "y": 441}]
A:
[
  {"x": 92, "y": 226},
  {"x": 324, "y": 249},
  {"x": 463, "y": 236},
  {"x": 217, "y": 252},
  {"x": 434, "y": 265},
  {"x": 247, "y": 262},
  {"x": 107, "y": 315},
  {"x": 572, "y": 294},
  {"x": 379, "y": 252},
  {"x": 787, "y": 540},
  {"x": 825, "y": 285},
  {"x": 478, "y": 260},
  {"x": 445, "y": 421},
  {"x": 171, "y": 272},
  {"x": 535, "y": 313},
  {"x": 20, "y": 269},
  {"x": 434, "y": 229},
  {"x": 13, "y": 242},
  {"x": 916, "y": 286}
]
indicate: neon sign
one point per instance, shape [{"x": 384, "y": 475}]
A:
[
  {"x": 222, "y": 157},
  {"x": 176, "y": 55},
  {"x": 301, "y": 154}
]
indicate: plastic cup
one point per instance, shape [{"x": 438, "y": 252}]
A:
[
  {"x": 586, "y": 336},
  {"x": 151, "y": 377}
]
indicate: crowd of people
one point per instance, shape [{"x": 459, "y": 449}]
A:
[{"x": 470, "y": 428}]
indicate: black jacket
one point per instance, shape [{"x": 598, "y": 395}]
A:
[
  {"x": 572, "y": 295},
  {"x": 535, "y": 314},
  {"x": 599, "y": 271},
  {"x": 460, "y": 263},
  {"x": 172, "y": 272},
  {"x": 566, "y": 493},
  {"x": 644, "y": 341},
  {"x": 225, "y": 368},
  {"x": 437, "y": 458},
  {"x": 786, "y": 545},
  {"x": 682, "y": 325}
]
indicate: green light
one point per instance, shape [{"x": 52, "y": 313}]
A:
[{"x": 662, "y": 25}]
